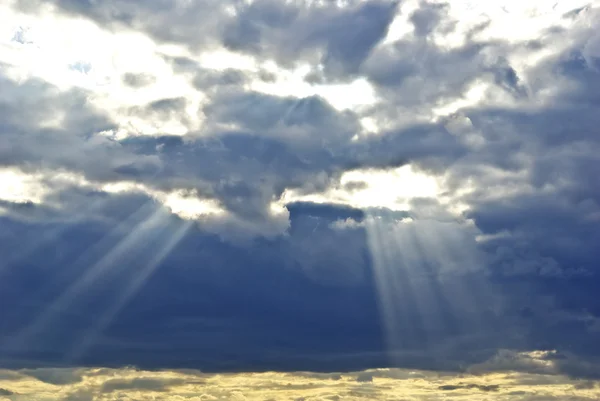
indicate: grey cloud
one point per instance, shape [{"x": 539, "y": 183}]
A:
[
  {"x": 206, "y": 79},
  {"x": 585, "y": 384},
  {"x": 355, "y": 185},
  {"x": 167, "y": 105},
  {"x": 73, "y": 146},
  {"x": 364, "y": 377},
  {"x": 279, "y": 144},
  {"x": 138, "y": 80},
  {"x": 139, "y": 383},
  {"x": 548, "y": 365},
  {"x": 480, "y": 387},
  {"x": 55, "y": 376},
  {"x": 346, "y": 34},
  {"x": 162, "y": 108},
  {"x": 285, "y": 30},
  {"x": 289, "y": 119},
  {"x": 427, "y": 18},
  {"x": 6, "y": 392},
  {"x": 28, "y": 104},
  {"x": 6, "y": 374},
  {"x": 414, "y": 72},
  {"x": 505, "y": 76},
  {"x": 80, "y": 395}
]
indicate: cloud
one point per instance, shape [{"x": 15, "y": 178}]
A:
[
  {"x": 484, "y": 388},
  {"x": 384, "y": 384},
  {"x": 202, "y": 185},
  {"x": 54, "y": 376},
  {"x": 5, "y": 392},
  {"x": 138, "y": 80},
  {"x": 153, "y": 18},
  {"x": 346, "y": 35},
  {"x": 142, "y": 384}
]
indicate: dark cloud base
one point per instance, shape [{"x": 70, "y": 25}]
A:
[{"x": 215, "y": 306}]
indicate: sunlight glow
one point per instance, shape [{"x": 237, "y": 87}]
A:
[
  {"x": 359, "y": 92},
  {"x": 185, "y": 205},
  {"x": 223, "y": 59},
  {"x": 19, "y": 187},
  {"x": 189, "y": 207},
  {"x": 420, "y": 270},
  {"x": 392, "y": 189}
]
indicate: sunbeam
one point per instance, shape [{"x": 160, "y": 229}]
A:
[
  {"x": 423, "y": 275},
  {"x": 138, "y": 235},
  {"x": 141, "y": 276},
  {"x": 394, "y": 310}
]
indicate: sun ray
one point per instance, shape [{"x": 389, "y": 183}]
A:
[
  {"x": 396, "y": 295},
  {"x": 90, "y": 335},
  {"x": 138, "y": 234},
  {"x": 48, "y": 236},
  {"x": 423, "y": 273}
]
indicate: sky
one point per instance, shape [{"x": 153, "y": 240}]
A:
[{"x": 376, "y": 199}]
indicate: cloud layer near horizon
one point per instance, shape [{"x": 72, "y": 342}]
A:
[
  {"x": 304, "y": 185},
  {"x": 128, "y": 384}
]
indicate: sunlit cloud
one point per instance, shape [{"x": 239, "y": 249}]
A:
[
  {"x": 392, "y": 189},
  {"x": 382, "y": 384},
  {"x": 16, "y": 186}
]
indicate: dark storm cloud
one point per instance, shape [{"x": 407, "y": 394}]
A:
[
  {"x": 267, "y": 311},
  {"x": 284, "y": 304}
]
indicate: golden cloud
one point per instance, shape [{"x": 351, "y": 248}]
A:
[{"x": 130, "y": 384}]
